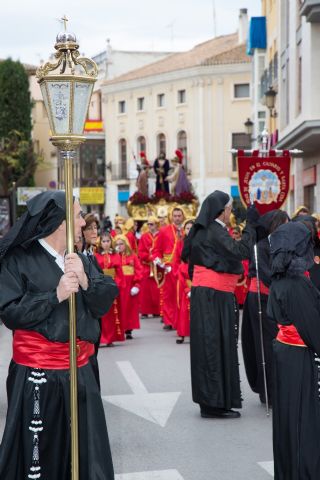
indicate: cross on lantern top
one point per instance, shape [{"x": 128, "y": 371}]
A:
[{"x": 65, "y": 20}]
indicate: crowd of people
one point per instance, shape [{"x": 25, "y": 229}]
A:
[
  {"x": 144, "y": 260},
  {"x": 193, "y": 274}
]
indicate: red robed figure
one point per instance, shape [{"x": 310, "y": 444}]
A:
[
  {"x": 150, "y": 293},
  {"x": 111, "y": 328},
  {"x": 166, "y": 246}
]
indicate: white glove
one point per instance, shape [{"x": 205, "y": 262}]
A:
[
  {"x": 134, "y": 291},
  {"x": 189, "y": 294},
  {"x": 157, "y": 261},
  {"x": 168, "y": 269}
]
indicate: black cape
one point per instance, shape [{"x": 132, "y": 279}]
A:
[
  {"x": 296, "y": 402},
  {"x": 213, "y": 336}
]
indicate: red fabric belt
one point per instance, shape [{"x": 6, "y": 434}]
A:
[
  {"x": 254, "y": 286},
  {"x": 288, "y": 334},
  {"x": 204, "y": 277},
  {"x": 34, "y": 350}
]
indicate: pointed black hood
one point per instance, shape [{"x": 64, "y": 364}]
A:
[
  {"x": 45, "y": 212},
  {"x": 211, "y": 208}
]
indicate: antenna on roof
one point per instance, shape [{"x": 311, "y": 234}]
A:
[
  {"x": 171, "y": 27},
  {"x": 214, "y": 18}
]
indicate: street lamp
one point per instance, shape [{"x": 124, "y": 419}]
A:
[
  {"x": 270, "y": 98},
  {"x": 249, "y": 127},
  {"x": 66, "y": 96}
]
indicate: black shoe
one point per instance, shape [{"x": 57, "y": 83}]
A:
[
  {"x": 129, "y": 336},
  {"x": 144, "y": 316},
  {"x": 219, "y": 413},
  {"x": 167, "y": 327},
  {"x": 110, "y": 345},
  {"x": 180, "y": 340}
]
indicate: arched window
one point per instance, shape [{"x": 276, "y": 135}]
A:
[
  {"x": 123, "y": 158},
  {"x": 182, "y": 145},
  {"x": 161, "y": 143},
  {"x": 141, "y": 145}
]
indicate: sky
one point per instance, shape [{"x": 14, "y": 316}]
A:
[{"x": 29, "y": 27}]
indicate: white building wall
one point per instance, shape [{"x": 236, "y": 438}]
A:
[
  {"x": 303, "y": 40},
  {"x": 209, "y": 116}
]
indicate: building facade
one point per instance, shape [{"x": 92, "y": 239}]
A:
[
  {"x": 196, "y": 101},
  {"x": 299, "y": 97},
  {"x": 291, "y": 71},
  {"x": 89, "y": 164}
]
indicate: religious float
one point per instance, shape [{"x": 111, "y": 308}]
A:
[{"x": 141, "y": 205}]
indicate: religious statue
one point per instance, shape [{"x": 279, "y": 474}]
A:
[
  {"x": 142, "y": 180},
  {"x": 178, "y": 178},
  {"x": 161, "y": 168}
]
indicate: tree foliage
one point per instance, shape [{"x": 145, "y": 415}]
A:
[
  {"x": 17, "y": 162},
  {"x": 15, "y": 101},
  {"x": 17, "y": 158}
]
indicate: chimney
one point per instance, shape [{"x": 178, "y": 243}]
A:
[{"x": 243, "y": 25}]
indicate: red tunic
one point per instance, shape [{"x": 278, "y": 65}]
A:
[
  {"x": 167, "y": 244},
  {"x": 150, "y": 293},
  {"x": 129, "y": 305},
  {"x": 111, "y": 327},
  {"x": 132, "y": 241},
  {"x": 183, "y": 289}
]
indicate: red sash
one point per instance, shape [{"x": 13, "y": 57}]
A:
[
  {"x": 254, "y": 286},
  {"x": 204, "y": 277},
  {"x": 288, "y": 334},
  {"x": 34, "y": 350}
]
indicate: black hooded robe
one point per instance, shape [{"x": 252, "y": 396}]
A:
[
  {"x": 250, "y": 331},
  {"x": 29, "y": 276},
  {"x": 213, "y": 337},
  {"x": 296, "y": 396},
  {"x": 28, "y": 302}
]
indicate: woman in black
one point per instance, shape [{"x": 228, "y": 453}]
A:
[
  {"x": 215, "y": 266},
  {"x": 294, "y": 304},
  {"x": 36, "y": 279}
]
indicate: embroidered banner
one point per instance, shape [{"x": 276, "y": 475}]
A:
[{"x": 264, "y": 180}]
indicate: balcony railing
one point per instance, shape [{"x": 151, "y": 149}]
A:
[{"x": 311, "y": 10}]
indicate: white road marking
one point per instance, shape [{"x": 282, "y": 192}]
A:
[
  {"x": 132, "y": 378},
  {"x": 159, "y": 475},
  {"x": 268, "y": 467},
  {"x": 155, "y": 407}
]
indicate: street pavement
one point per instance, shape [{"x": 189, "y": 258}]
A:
[{"x": 155, "y": 430}]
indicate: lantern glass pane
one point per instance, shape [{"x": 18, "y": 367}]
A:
[
  {"x": 82, "y": 95},
  {"x": 59, "y": 93},
  {"x": 46, "y": 103}
]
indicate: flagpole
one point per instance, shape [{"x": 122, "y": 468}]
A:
[
  {"x": 293, "y": 152},
  {"x": 263, "y": 362}
]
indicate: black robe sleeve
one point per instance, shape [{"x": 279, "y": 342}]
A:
[
  {"x": 28, "y": 298},
  {"x": 227, "y": 246},
  {"x": 22, "y": 305},
  {"x": 214, "y": 248}
]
